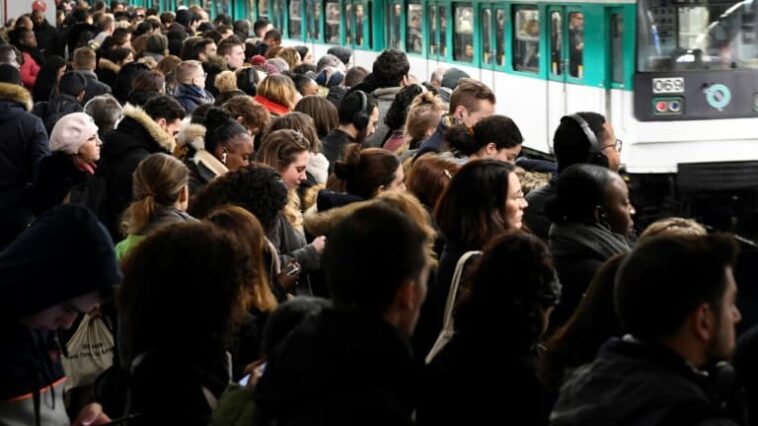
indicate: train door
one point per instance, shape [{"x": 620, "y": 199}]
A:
[
  {"x": 615, "y": 105},
  {"x": 492, "y": 36},
  {"x": 565, "y": 62},
  {"x": 437, "y": 32}
]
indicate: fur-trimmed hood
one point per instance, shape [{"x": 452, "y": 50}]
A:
[
  {"x": 105, "y": 64},
  {"x": 153, "y": 129},
  {"x": 192, "y": 135},
  {"x": 322, "y": 223},
  {"x": 17, "y": 94}
]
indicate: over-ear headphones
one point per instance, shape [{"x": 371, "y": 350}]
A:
[
  {"x": 361, "y": 119},
  {"x": 596, "y": 155}
]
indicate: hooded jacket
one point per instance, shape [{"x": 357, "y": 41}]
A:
[
  {"x": 94, "y": 86},
  {"x": 636, "y": 383},
  {"x": 41, "y": 269},
  {"x": 24, "y": 145},
  {"x": 50, "y": 111},
  {"x": 136, "y": 137},
  {"x": 203, "y": 166},
  {"x": 384, "y": 98}
]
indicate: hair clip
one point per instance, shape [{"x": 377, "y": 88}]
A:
[
  {"x": 470, "y": 131},
  {"x": 447, "y": 173},
  {"x": 301, "y": 140}
]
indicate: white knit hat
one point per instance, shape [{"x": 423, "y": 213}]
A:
[{"x": 71, "y": 132}]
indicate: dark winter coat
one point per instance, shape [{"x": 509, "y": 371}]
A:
[
  {"x": 435, "y": 142},
  {"x": 339, "y": 369},
  {"x": 94, "y": 86},
  {"x": 635, "y": 383},
  {"x": 333, "y": 144},
  {"x": 136, "y": 137},
  {"x": 47, "y": 39},
  {"x": 57, "y": 175},
  {"x": 24, "y": 144},
  {"x": 52, "y": 110},
  {"x": 191, "y": 97},
  {"x": 478, "y": 380},
  {"x": 535, "y": 216}
]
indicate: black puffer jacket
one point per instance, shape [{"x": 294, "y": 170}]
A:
[
  {"x": 24, "y": 144},
  {"x": 57, "y": 175}
]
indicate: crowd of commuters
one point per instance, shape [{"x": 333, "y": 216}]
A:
[{"x": 188, "y": 204}]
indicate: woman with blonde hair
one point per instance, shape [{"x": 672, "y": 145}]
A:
[
  {"x": 422, "y": 120},
  {"x": 290, "y": 55},
  {"x": 257, "y": 299},
  {"x": 161, "y": 194},
  {"x": 278, "y": 94}
]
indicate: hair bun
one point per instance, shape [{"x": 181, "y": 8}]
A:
[
  {"x": 215, "y": 118},
  {"x": 346, "y": 168}
]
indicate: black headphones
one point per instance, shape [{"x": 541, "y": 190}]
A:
[
  {"x": 596, "y": 155},
  {"x": 361, "y": 118}
]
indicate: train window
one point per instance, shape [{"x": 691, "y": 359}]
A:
[
  {"x": 296, "y": 19},
  {"x": 393, "y": 24},
  {"x": 463, "y": 44},
  {"x": 313, "y": 18},
  {"x": 332, "y": 30},
  {"x": 576, "y": 44},
  {"x": 349, "y": 23},
  {"x": 360, "y": 22},
  {"x": 526, "y": 40},
  {"x": 413, "y": 37},
  {"x": 500, "y": 36},
  {"x": 443, "y": 30},
  {"x": 432, "y": 29},
  {"x": 486, "y": 20},
  {"x": 556, "y": 43},
  {"x": 674, "y": 35},
  {"x": 223, "y": 7},
  {"x": 617, "y": 48},
  {"x": 262, "y": 9},
  {"x": 277, "y": 14}
]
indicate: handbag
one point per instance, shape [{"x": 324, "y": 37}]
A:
[
  {"x": 447, "y": 326},
  {"x": 89, "y": 352}
]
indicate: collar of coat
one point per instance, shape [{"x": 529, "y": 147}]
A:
[
  {"x": 155, "y": 131},
  {"x": 15, "y": 93}
]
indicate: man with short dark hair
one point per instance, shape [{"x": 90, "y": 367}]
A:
[
  {"x": 358, "y": 114},
  {"x": 389, "y": 76},
  {"x": 47, "y": 36},
  {"x": 352, "y": 364},
  {"x": 142, "y": 132},
  {"x": 261, "y": 27},
  {"x": 676, "y": 298},
  {"x": 273, "y": 38}
]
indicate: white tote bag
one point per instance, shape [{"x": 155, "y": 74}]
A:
[
  {"x": 90, "y": 352},
  {"x": 447, "y": 326}
]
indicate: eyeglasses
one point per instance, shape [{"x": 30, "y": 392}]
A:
[{"x": 618, "y": 144}]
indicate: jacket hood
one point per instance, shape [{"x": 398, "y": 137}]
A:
[
  {"x": 208, "y": 166},
  {"x": 386, "y": 93},
  {"x": 105, "y": 64},
  {"x": 192, "y": 135},
  {"x": 18, "y": 94},
  {"x": 323, "y": 222},
  {"x": 163, "y": 139},
  {"x": 45, "y": 265}
]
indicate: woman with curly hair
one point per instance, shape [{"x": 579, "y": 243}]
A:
[
  {"x": 260, "y": 190},
  {"x": 498, "y": 324}
]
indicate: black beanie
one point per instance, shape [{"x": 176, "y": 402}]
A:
[
  {"x": 9, "y": 74},
  {"x": 65, "y": 253},
  {"x": 72, "y": 83}
]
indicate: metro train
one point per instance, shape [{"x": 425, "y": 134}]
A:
[{"x": 678, "y": 79}]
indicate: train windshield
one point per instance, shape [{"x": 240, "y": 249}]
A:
[{"x": 680, "y": 35}]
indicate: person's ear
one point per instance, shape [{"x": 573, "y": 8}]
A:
[
  {"x": 184, "y": 194},
  {"x": 702, "y": 322},
  {"x": 491, "y": 148}
]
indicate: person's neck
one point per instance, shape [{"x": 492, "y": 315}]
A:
[
  {"x": 349, "y": 129},
  {"x": 688, "y": 348}
]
